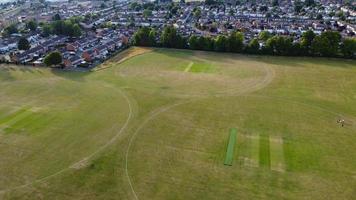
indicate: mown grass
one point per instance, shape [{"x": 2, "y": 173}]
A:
[
  {"x": 230, "y": 147},
  {"x": 13, "y": 116},
  {"x": 199, "y": 67},
  {"x": 277, "y": 154},
  {"x": 264, "y": 151},
  {"x": 288, "y": 147},
  {"x": 51, "y": 122}
]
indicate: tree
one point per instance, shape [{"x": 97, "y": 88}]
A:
[
  {"x": 201, "y": 43},
  {"x": 10, "y": 30},
  {"x": 264, "y": 35},
  {"x": 298, "y": 6},
  {"x": 148, "y": 6},
  {"x": 46, "y": 30},
  {"x": 152, "y": 37},
  {"x": 221, "y": 43},
  {"x": 57, "y": 27},
  {"x": 206, "y": 43},
  {"x": 270, "y": 46},
  {"x": 231, "y": 12},
  {"x": 297, "y": 49},
  {"x": 348, "y": 48},
  {"x": 170, "y": 38},
  {"x": 326, "y": 44},
  {"x": 77, "y": 31},
  {"x": 318, "y": 44},
  {"x": 140, "y": 38},
  {"x": 275, "y": 3},
  {"x": 263, "y": 8},
  {"x": 279, "y": 45},
  {"x": 147, "y": 13},
  {"x": 23, "y": 44},
  {"x": 210, "y": 2},
  {"x": 253, "y": 47},
  {"x": 309, "y": 3},
  {"x": 56, "y": 17},
  {"x": 173, "y": 9},
  {"x": 135, "y": 6},
  {"x": 286, "y": 45},
  {"x": 65, "y": 27},
  {"x": 32, "y": 25},
  {"x": 76, "y": 19},
  {"x": 182, "y": 42},
  {"x": 197, "y": 13},
  {"x": 193, "y": 42},
  {"x": 87, "y": 17},
  {"x": 144, "y": 37},
  {"x": 306, "y": 42},
  {"x": 53, "y": 58},
  {"x": 236, "y": 42},
  {"x": 341, "y": 15}
]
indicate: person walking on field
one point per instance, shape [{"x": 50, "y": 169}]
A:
[{"x": 342, "y": 122}]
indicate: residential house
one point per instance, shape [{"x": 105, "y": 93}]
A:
[
  {"x": 72, "y": 61},
  {"x": 89, "y": 55},
  {"x": 101, "y": 51},
  {"x": 28, "y": 55},
  {"x": 72, "y": 46}
]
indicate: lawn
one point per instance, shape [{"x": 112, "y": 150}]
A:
[{"x": 154, "y": 124}]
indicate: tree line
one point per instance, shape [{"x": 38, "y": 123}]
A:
[
  {"x": 69, "y": 27},
  {"x": 327, "y": 44}
]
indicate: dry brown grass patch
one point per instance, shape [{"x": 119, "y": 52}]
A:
[{"x": 123, "y": 56}]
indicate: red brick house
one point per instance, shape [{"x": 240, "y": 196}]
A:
[{"x": 89, "y": 55}]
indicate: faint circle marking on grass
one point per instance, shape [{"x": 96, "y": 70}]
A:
[
  {"x": 90, "y": 156},
  {"x": 165, "y": 109}
]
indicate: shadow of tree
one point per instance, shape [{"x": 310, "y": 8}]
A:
[
  {"x": 307, "y": 61},
  {"x": 71, "y": 75},
  {"x": 267, "y": 59},
  {"x": 6, "y": 72}
]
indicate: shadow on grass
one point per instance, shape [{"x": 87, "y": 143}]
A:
[
  {"x": 5, "y": 73},
  {"x": 208, "y": 56},
  {"x": 8, "y": 73},
  {"x": 267, "y": 59},
  {"x": 307, "y": 61},
  {"x": 70, "y": 75},
  {"x": 193, "y": 54}
]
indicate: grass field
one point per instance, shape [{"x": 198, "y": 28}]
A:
[{"x": 154, "y": 124}]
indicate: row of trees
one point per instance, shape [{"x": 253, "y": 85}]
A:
[
  {"x": 11, "y": 29},
  {"x": 62, "y": 27},
  {"x": 69, "y": 27},
  {"x": 328, "y": 44},
  {"x": 168, "y": 38}
]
